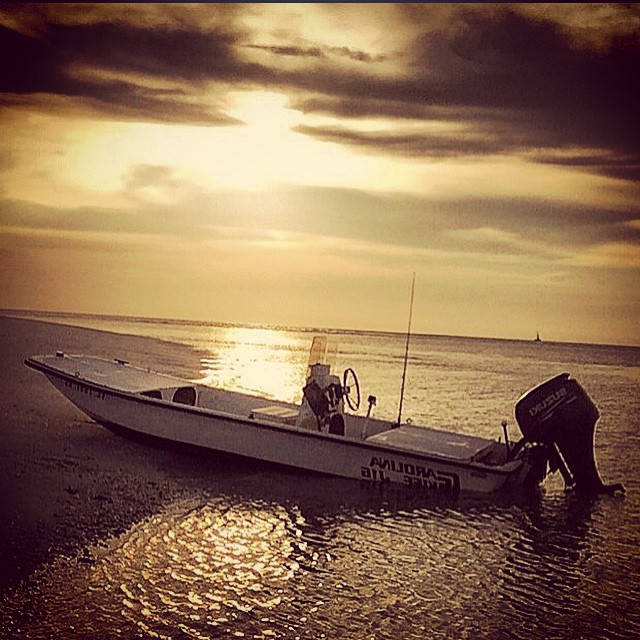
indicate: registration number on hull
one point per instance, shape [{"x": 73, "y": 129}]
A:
[{"x": 83, "y": 388}]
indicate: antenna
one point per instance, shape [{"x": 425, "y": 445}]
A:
[{"x": 406, "y": 350}]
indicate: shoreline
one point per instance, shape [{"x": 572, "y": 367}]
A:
[
  {"x": 65, "y": 481},
  {"x": 64, "y": 318}
]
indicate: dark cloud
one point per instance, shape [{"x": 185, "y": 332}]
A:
[
  {"x": 183, "y": 54},
  {"x": 355, "y": 54},
  {"x": 49, "y": 65},
  {"x": 319, "y": 52},
  {"x": 519, "y": 84},
  {"x": 293, "y": 51},
  {"x": 571, "y": 95},
  {"x": 31, "y": 65},
  {"x": 434, "y": 146},
  {"x": 516, "y": 81},
  {"x": 480, "y": 140},
  {"x": 623, "y": 168}
]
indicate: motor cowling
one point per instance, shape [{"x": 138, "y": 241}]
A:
[{"x": 560, "y": 415}]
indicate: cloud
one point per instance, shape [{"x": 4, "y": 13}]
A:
[
  {"x": 426, "y": 146},
  {"x": 318, "y": 52},
  {"x": 622, "y": 167},
  {"x": 624, "y": 254},
  {"x": 156, "y": 185},
  {"x": 506, "y": 79},
  {"x": 107, "y": 68},
  {"x": 157, "y": 52},
  {"x": 588, "y": 26},
  {"x": 290, "y": 50},
  {"x": 518, "y": 79},
  {"x": 500, "y": 242},
  {"x": 517, "y": 82},
  {"x": 571, "y": 96},
  {"x": 163, "y": 203}
]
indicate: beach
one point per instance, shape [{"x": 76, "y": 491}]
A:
[{"x": 66, "y": 482}]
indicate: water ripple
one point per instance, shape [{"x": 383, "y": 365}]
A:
[{"x": 195, "y": 571}]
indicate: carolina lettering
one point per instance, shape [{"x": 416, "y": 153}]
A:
[{"x": 414, "y": 475}]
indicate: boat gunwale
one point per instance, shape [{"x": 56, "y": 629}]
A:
[{"x": 503, "y": 470}]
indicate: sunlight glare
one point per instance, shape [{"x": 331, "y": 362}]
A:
[
  {"x": 265, "y": 112},
  {"x": 268, "y": 362}
]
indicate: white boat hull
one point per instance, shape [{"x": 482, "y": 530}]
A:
[{"x": 268, "y": 440}]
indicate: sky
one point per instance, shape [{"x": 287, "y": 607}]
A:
[{"x": 296, "y": 164}]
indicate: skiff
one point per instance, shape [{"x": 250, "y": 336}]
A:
[{"x": 326, "y": 434}]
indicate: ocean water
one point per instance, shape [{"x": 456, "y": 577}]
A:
[{"x": 275, "y": 553}]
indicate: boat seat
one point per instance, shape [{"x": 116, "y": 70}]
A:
[
  {"x": 276, "y": 413},
  {"x": 185, "y": 395}
]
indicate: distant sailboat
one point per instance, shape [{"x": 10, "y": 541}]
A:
[{"x": 538, "y": 339}]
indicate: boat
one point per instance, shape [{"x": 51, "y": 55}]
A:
[
  {"x": 325, "y": 432},
  {"x": 537, "y": 338}
]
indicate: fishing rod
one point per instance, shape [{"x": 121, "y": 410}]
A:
[{"x": 406, "y": 350}]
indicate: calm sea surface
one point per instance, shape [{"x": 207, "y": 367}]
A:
[{"x": 284, "y": 554}]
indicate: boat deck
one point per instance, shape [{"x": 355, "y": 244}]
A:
[
  {"x": 117, "y": 374},
  {"x": 446, "y": 444},
  {"x": 121, "y": 376}
]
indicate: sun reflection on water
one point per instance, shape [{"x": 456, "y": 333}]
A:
[
  {"x": 269, "y": 362},
  {"x": 207, "y": 566},
  {"x": 201, "y": 572}
]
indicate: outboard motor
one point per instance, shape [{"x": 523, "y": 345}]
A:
[{"x": 560, "y": 415}]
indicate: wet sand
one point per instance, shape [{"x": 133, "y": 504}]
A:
[{"x": 66, "y": 482}]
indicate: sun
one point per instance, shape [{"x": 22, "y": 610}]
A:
[
  {"x": 266, "y": 149},
  {"x": 265, "y": 112},
  {"x": 91, "y": 161}
]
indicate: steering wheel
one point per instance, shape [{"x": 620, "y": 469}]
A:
[{"x": 349, "y": 376}]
